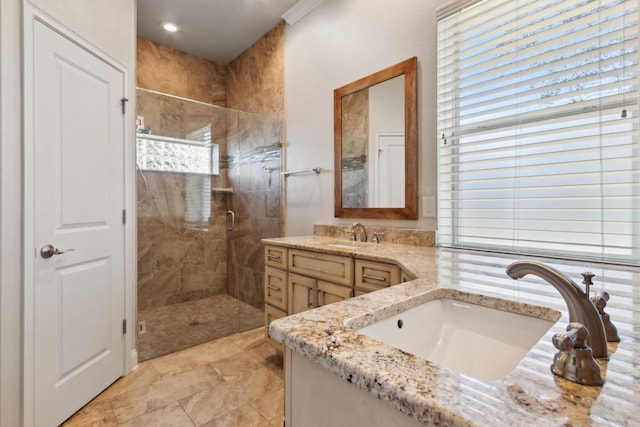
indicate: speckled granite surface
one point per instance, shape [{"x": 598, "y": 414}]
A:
[
  {"x": 406, "y": 236},
  {"x": 529, "y": 396}
]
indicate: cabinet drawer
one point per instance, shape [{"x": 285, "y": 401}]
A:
[
  {"x": 275, "y": 287},
  {"x": 275, "y": 256},
  {"x": 371, "y": 276},
  {"x": 334, "y": 268},
  {"x": 271, "y": 314}
]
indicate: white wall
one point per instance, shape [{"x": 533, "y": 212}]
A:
[
  {"x": 10, "y": 213},
  {"x": 107, "y": 24},
  {"x": 337, "y": 43}
]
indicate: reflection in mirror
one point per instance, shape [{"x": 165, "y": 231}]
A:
[
  {"x": 373, "y": 146},
  {"x": 376, "y": 145}
]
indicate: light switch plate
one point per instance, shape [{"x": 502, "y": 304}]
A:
[
  {"x": 139, "y": 122},
  {"x": 428, "y": 207}
]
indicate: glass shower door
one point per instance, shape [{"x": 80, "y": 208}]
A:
[{"x": 197, "y": 280}]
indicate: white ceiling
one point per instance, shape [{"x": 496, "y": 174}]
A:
[{"x": 218, "y": 30}]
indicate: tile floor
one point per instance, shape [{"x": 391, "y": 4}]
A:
[
  {"x": 174, "y": 327},
  {"x": 233, "y": 381}
]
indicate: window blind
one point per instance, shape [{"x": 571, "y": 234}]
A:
[{"x": 538, "y": 128}]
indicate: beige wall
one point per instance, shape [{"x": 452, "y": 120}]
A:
[
  {"x": 336, "y": 44},
  {"x": 252, "y": 82},
  {"x": 255, "y": 81},
  {"x": 167, "y": 70}
]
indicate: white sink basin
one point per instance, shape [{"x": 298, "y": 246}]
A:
[
  {"x": 347, "y": 245},
  {"x": 476, "y": 340}
]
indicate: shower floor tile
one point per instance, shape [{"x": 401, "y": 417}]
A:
[
  {"x": 233, "y": 381},
  {"x": 178, "y": 326}
]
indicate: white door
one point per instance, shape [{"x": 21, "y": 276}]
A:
[
  {"x": 79, "y": 295},
  {"x": 390, "y": 175}
]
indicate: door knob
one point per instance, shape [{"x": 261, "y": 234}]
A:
[{"x": 47, "y": 251}]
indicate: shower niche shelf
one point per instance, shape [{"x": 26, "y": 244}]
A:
[{"x": 226, "y": 190}]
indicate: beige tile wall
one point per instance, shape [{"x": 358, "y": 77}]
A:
[
  {"x": 167, "y": 70},
  {"x": 255, "y": 79},
  {"x": 255, "y": 83},
  {"x": 175, "y": 263}
]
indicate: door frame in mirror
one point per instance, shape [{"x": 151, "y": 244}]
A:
[{"x": 408, "y": 69}]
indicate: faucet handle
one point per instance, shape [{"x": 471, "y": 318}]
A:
[
  {"x": 586, "y": 280},
  {"x": 600, "y": 301},
  {"x": 374, "y": 238},
  {"x": 610, "y": 330},
  {"x": 352, "y": 235},
  {"x": 574, "y": 361},
  {"x": 575, "y": 336}
]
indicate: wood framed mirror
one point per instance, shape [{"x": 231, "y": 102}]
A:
[{"x": 376, "y": 145}]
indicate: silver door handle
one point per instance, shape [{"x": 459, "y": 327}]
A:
[
  {"x": 231, "y": 220},
  {"x": 47, "y": 251}
]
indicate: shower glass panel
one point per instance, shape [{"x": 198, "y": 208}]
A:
[{"x": 200, "y": 279}]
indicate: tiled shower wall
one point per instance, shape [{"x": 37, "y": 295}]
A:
[
  {"x": 255, "y": 83},
  {"x": 254, "y": 173},
  {"x": 355, "y": 146},
  {"x": 177, "y": 263},
  {"x": 188, "y": 264}
]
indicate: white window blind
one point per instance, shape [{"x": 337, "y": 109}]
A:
[{"x": 538, "y": 127}]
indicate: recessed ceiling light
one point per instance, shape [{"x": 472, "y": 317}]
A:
[{"x": 171, "y": 27}]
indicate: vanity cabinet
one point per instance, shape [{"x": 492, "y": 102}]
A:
[
  {"x": 275, "y": 256},
  {"x": 328, "y": 293},
  {"x": 270, "y": 314},
  {"x": 371, "y": 276},
  {"x": 331, "y": 268},
  {"x": 297, "y": 280},
  {"x": 301, "y": 291},
  {"x": 306, "y": 292},
  {"x": 406, "y": 277},
  {"x": 275, "y": 288}
]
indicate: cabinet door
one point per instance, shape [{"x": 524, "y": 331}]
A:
[
  {"x": 275, "y": 288},
  {"x": 271, "y": 314},
  {"x": 371, "y": 276},
  {"x": 301, "y": 293},
  {"x": 406, "y": 277},
  {"x": 330, "y": 292}
]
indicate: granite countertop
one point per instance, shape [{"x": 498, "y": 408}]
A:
[{"x": 529, "y": 395}]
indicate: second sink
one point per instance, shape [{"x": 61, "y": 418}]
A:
[{"x": 477, "y": 340}]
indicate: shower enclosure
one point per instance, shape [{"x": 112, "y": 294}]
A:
[{"x": 206, "y": 198}]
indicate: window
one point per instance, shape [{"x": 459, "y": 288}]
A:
[
  {"x": 164, "y": 154},
  {"x": 196, "y": 157},
  {"x": 538, "y": 127}
]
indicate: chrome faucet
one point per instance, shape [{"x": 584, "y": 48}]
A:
[
  {"x": 581, "y": 309},
  {"x": 362, "y": 236}
]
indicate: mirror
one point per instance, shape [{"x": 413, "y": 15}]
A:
[{"x": 376, "y": 147}]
